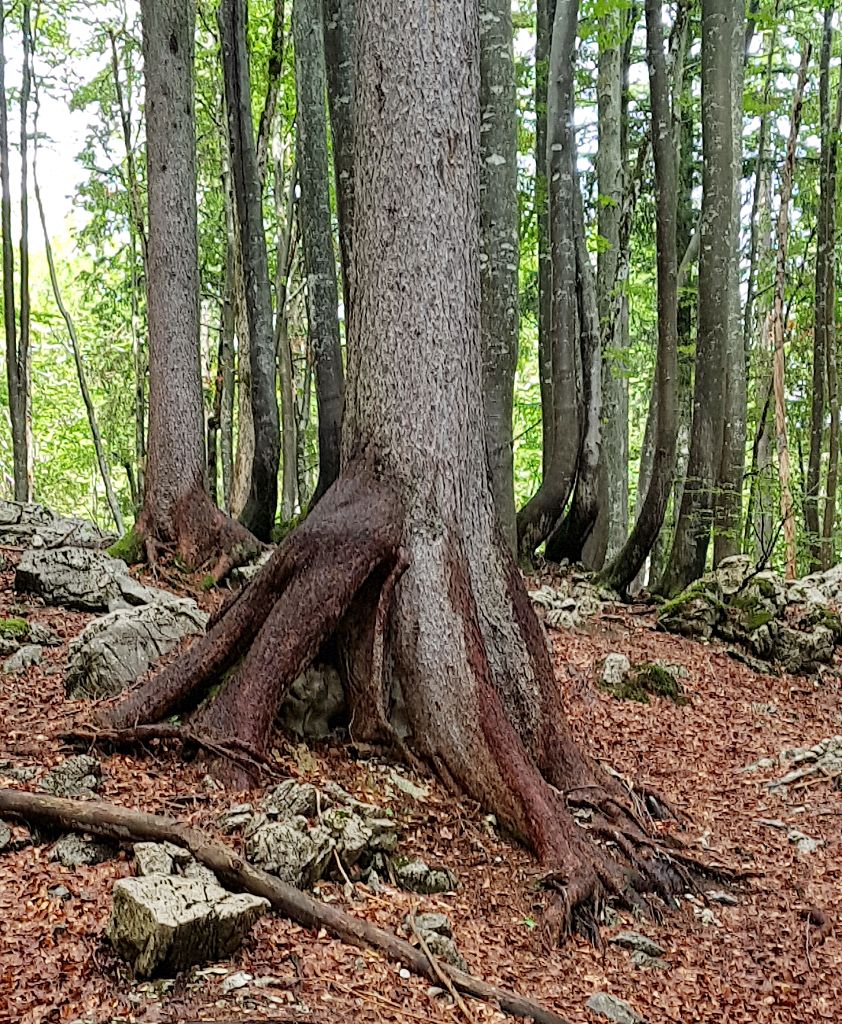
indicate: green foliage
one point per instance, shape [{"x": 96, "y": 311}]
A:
[{"x": 14, "y": 629}]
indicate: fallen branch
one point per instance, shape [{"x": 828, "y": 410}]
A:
[{"x": 123, "y": 825}]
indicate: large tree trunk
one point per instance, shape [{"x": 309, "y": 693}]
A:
[
  {"x": 544, "y": 15},
  {"x": 539, "y": 515},
  {"x": 177, "y": 509},
  {"x": 316, "y": 234},
  {"x": 632, "y": 556},
  {"x": 500, "y": 253},
  {"x": 258, "y": 514},
  {"x": 405, "y": 546},
  {"x": 692, "y": 534}
]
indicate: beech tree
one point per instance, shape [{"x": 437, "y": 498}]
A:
[
  {"x": 403, "y": 558},
  {"x": 177, "y": 510}
]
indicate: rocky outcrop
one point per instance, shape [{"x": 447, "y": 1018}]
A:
[
  {"x": 82, "y": 578},
  {"x": 20, "y": 661},
  {"x": 116, "y": 649},
  {"x": 31, "y": 525},
  {"x": 76, "y": 776},
  {"x": 163, "y": 924},
  {"x": 794, "y": 625}
]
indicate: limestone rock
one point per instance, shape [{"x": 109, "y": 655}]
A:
[
  {"x": 31, "y": 525},
  {"x": 617, "y": 1010},
  {"x": 436, "y": 931},
  {"x": 292, "y": 799},
  {"x": 5, "y": 835},
  {"x": 416, "y": 876},
  {"x": 81, "y": 578},
  {"x": 164, "y": 924},
  {"x": 159, "y": 858},
  {"x": 23, "y": 658},
  {"x": 74, "y": 851},
  {"x": 75, "y": 776},
  {"x": 695, "y": 612},
  {"x": 116, "y": 649},
  {"x": 643, "y": 961},
  {"x": 288, "y": 849},
  {"x": 235, "y": 818}
]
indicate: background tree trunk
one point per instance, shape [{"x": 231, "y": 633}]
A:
[
  {"x": 692, "y": 534},
  {"x": 500, "y": 250},
  {"x": 316, "y": 234},
  {"x": 258, "y": 514}
]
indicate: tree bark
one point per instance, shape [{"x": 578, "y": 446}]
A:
[
  {"x": 500, "y": 250},
  {"x": 339, "y": 26},
  {"x": 289, "y": 427},
  {"x": 316, "y": 234},
  {"x": 274, "y": 71},
  {"x": 23, "y": 456},
  {"x": 16, "y": 413},
  {"x": 258, "y": 514},
  {"x": 177, "y": 509},
  {"x": 631, "y": 557},
  {"x": 777, "y": 321},
  {"x": 543, "y": 510},
  {"x": 692, "y": 534}
]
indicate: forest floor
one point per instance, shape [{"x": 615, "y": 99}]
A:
[{"x": 751, "y": 962}]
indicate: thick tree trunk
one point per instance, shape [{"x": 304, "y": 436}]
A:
[
  {"x": 316, "y": 234},
  {"x": 339, "y": 26},
  {"x": 692, "y": 534},
  {"x": 631, "y": 557},
  {"x": 258, "y": 514},
  {"x": 543, "y": 510},
  {"x": 177, "y": 509},
  {"x": 500, "y": 250}
]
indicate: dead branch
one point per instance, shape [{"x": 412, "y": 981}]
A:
[{"x": 123, "y": 825}]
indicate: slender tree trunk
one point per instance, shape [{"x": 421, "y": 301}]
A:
[
  {"x": 102, "y": 461},
  {"x": 543, "y": 510},
  {"x": 274, "y": 71},
  {"x": 16, "y": 414},
  {"x": 631, "y": 557},
  {"x": 285, "y": 214},
  {"x": 692, "y": 535},
  {"x": 828, "y": 550},
  {"x": 778, "y": 317},
  {"x": 611, "y": 528},
  {"x": 177, "y": 509},
  {"x": 500, "y": 251},
  {"x": 22, "y": 438},
  {"x": 258, "y": 515},
  {"x": 339, "y": 24},
  {"x": 728, "y": 518},
  {"x": 316, "y": 234}
]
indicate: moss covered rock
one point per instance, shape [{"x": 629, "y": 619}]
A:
[{"x": 696, "y": 611}]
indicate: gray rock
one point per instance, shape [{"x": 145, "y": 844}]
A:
[
  {"x": 5, "y": 835},
  {"x": 416, "y": 876},
  {"x": 76, "y": 776},
  {"x": 617, "y": 1010},
  {"x": 292, "y": 799},
  {"x": 432, "y": 922},
  {"x": 803, "y": 843},
  {"x": 23, "y": 658},
  {"x": 159, "y": 858},
  {"x": 615, "y": 670},
  {"x": 165, "y": 924},
  {"x": 727, "y": 899},
  {"x": 44, "y": 635},
  {"x": 436, "y": 931},
  {"x": 289, "y": 850},
  {"x": 696, "y": 611},
  {"x": 34, "y": 525},
  {"x": 81, "y": 578},
  {"x": 235, "y": 818},
  {"x": 116, "y": 649},
  {"x": 732, "y": 572},
  {"x": 59, "y": 892},
  {"x": 74, "y": 851},
  {"x": 408, "y": 787},
  {"x": 237, "y": 980},
  {"x": 637, "y": 942},
  {"x": 643, "y": 961},
  {"x": 314, "y": 705},
  {"x": 26, "y": 774}
]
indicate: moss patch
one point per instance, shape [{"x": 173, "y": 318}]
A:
[
  {"x": 129, "y": 547},
  {"x": 13, "y": 629},
  {"x": 647, "y": 681}
]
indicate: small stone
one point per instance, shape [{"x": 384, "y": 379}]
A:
[
  {"x": 643, "y": 961},
  {"x": 75, "y": 776},
  {"x": 292, "y": 799},
  {"x": 615, "y": 670},
  {"x": 75, "y": 851},
  {"x": 637, "y": 942},
  {"x": 5, "y": 835},
  {"x": 23, "y": 658},
  {"x": 432, "y": 922},
  {"x": 725, "y": 898},
  {"x": 407, "y": 786},
  {"x": 617, "y": 1010},
  {"x": 21, "y": 774},
  {"x": 287, "y": 849},
  {"x": 803, "y": 843},
  {"x": 235, "y": 818},
  {"x": 160, "y": 858},
  {"x": 59, "y": 892},
  {"x": 235, "y": 981},
  {"x": 416, "y": 876},
  {"x": 44, "y": 635},
  {"x": 404, "y": 973}
]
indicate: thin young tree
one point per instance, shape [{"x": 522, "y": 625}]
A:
[
  {"x": 413, "y": 504},
  {"x": 177, "y": 510},
  {"x": 339, "y": 21}
]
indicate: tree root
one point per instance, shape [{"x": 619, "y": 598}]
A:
[{"x": 126, "y": 826}]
